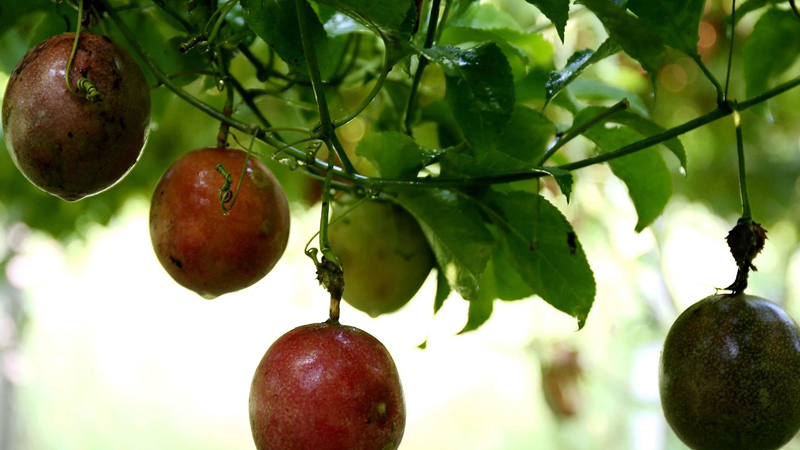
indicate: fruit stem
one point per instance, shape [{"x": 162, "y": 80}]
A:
[
  {"x": 737, "y": 122},
  {"x": 423, "y": 62},
  {"x": 333, "y": 311},
  {"x": 85, "y": 87}
]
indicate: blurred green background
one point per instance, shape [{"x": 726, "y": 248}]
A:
[{"x": 100, "y": 349}]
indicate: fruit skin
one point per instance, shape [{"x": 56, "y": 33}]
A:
[
  {"x": 327, "y": 386},
  {"x": 67, "y": 145},
  {"x": 729, "y": 375},
  {"x": 384, "y": 254},
  {"x": 204, "y": 250}
]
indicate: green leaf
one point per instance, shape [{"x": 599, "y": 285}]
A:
[
  {"x": 392, "y": 20},
  {"x": 635, "y": 36},
  {"x": 527, "y": 135},
  {"x": 576, "y": 64},
  {"x": 276, "y": 22},
  {"x": 457, "y": 234},
  {"x": 555, "y": 10},
  {"x": 644, "y": 173},
  {"x": 480, "y": 308},
  {"x": 442, "y": 290},
  {"x": 545, "y": 251},
  {"x": 750, "y": 6},
  {"x": 480, "y": 89},
  {"x": 770, "y": 50},
  {"x": 676, "y": 21},
  {"x": 597, "y": 91},
  {"x": 395, "y": 155}
]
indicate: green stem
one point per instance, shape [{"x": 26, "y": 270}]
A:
[
  {"x": 222, "y": 136},
  {"x": 576, "y": 131},
  {"x": 710, "y": 76},
  {"x": 737, "y": 122},
  {"x": 371, "y": 96},
  {"x": 423, "y": 62},
  {"x": 326, "y": 132},
  {"x": 324, "y": 243}
]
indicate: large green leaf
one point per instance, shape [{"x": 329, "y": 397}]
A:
[
  {"x": 392, "y": 20},
  {"x": 576, "y": 64},
  {"x": 276, "y": 22},
  {"x": 644, "y": 173},
  {"x": 545, "y": 251},
  {"x": 772, "y": 48},
  {"x": 457, "y": 233},
  {"x": 636, "y": 37},
  {"x": 480, "y": 89},
  {"x": 555, "y": 10},
  {"x": 676, "y": 21}
]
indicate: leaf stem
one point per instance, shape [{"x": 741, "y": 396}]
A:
[
  {"x": 326, "y": 131},
  {"x": 707, "y": 72},
  {"x": 576, "y": 131},
  {"x": 429, "y": 39}
]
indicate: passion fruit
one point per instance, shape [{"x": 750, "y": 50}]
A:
[
  {"x": 729, "y": 375},
  {"x": 65, "y": 144}
]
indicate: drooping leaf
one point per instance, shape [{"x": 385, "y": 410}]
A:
[
  {"x": 676, "y": 21},
  {"x": 545, "y": 251},
  {"x": 442, "y": 290},
  {"x": 480, "y": 89},
  {"x": 555, "y": 10},
  {"x": 576, "y": 64},
  {"x": 644, "y": 172},
  {"x": 456, "y": 231},
  {"x": 771, "y": 49},
  {"x": 480, "y": 308},
  {"x": 276, "y": 22},
  {"x": 393, "y": 20},
  {"x": 636, "y": 37},
  {"x": 395, "y": 155}
]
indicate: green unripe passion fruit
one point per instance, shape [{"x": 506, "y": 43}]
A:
[
  {"x": 384, "y": 254},
  {"x": 729, "y": 375}
]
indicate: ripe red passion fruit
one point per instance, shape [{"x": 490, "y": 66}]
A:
[
  {"x": 67, "y": 145},
  {"x": 204, "y": 250},
  {"x": 327, "y": 386}
]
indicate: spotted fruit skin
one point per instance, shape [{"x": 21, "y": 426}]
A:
[
  {"x": 202, "y": 249},
  {"x": 384, "y": 254},
  {"x": 65, "y": 144},
  {"x": 729, "y": 374},
  {"x": 327, "y": 386}
]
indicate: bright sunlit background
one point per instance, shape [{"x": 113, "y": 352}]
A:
[{"x": 101, "y": 350}]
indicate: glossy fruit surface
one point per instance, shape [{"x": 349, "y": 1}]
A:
[
  {"x": 729, "y": 375},
  {"x": 65, "y": 144},
  {"x": 384, "y": 254},
  {"x": 327, "y": 387},
  {"x": 204, "y": 250}
]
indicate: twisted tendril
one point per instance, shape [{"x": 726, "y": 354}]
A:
[
  {"x": 225, "y": 194},
  {"x": 85, "y": 87}
]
